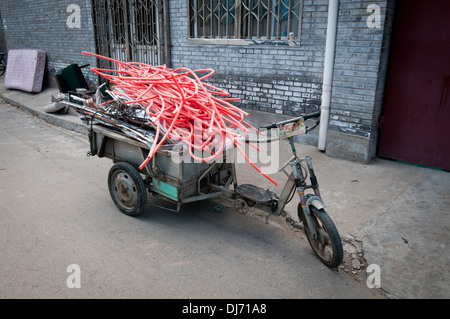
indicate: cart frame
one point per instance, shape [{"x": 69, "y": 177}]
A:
[{"x": 177, "y": 180}]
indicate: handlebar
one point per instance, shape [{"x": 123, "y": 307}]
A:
[{"x": 305, "y": 117}]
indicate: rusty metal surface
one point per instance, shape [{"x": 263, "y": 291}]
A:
[
  {"x": 256, "y": 193},
  {"x": 167, "y": 166}
]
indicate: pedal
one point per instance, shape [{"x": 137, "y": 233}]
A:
[{"x": 256, "y": 194}]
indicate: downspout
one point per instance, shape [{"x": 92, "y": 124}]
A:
[{"x": 328, "y": 72}]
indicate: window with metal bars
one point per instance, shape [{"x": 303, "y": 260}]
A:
[{"x": 245, "y": 19}]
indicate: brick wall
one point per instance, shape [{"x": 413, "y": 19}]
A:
[
  {"x": 359, "y": 76},
  {"x": 288, "y": 79},
  {"x": 274, "y": 78},
  {"x": 42, "y": 24}
]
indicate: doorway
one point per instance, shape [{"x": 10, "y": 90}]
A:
[{"x": 415, "y": 123}]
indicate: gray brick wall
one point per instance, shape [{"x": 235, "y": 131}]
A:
[
  {"x": 41, "y": 24},
  {"x": 361, "y": 62},
  {"x": 274, "y": 78},
  {"x": 288, "y": 79}
]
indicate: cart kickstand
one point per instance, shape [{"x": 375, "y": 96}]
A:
[
  {"x": 267, "y": 217},
  {"x": 177, "y": 210},
  {"x": 273, "y": 207}
]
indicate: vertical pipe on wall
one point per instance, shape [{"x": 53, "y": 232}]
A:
[
  {"x": 167, "y": 46},
  {"x": 328, "y": 72}
]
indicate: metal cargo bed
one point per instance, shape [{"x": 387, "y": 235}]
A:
[{"x": 168, "y": 173}]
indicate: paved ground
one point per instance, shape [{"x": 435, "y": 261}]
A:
[
  {"x": 389, "y": 214},
  {"x": 56, "y": 212}
]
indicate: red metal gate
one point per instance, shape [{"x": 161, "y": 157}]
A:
[{"x": 415, "y": 124}]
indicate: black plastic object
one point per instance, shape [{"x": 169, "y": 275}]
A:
[{"x": 71, "y": 78}]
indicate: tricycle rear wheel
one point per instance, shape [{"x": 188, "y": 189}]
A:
[
  {"x": 127, "y": 189},
  {"x": 328, "y": 245}
]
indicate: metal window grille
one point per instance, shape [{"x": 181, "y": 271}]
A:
[
  {"x": 132, "y": 30},
  {"x": 245, "y": 19}
]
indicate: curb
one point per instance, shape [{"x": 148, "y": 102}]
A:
[{"x": 67, "y": 121}]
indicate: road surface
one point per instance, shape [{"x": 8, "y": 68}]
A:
[{"x": 61, "y": 236}]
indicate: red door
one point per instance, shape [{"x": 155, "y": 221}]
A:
[{"x": 415, "y": 124}]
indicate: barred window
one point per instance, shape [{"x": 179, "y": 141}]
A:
[{"x": 245, "y": 19}]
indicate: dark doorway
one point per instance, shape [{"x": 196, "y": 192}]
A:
[{"x": 415, "y": 124}]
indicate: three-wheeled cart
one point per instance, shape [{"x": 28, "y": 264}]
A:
[{"x": 175, "y": 176}]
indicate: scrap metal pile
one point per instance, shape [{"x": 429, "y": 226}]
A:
[{"x": 158, "y": 105}]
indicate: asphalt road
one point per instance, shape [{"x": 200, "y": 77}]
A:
[{"x": 55, "y": 211}]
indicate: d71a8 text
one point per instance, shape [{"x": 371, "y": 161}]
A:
[{"x": 241, "y": 308}]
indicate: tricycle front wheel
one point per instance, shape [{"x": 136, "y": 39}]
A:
[
  {"x": 328, "y": 245},
  {"x": 127, "y": 189}
]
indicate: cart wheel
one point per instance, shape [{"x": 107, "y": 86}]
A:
[
  {"x": 328, "y": 245},
  {"x": 127, "y": 189},
  {"x": 241, "y": 206}
]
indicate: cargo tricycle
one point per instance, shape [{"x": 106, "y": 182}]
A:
[{"x": 169, "y": 175}]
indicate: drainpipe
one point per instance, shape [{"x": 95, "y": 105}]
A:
[{"x": 328, "y": 72}]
